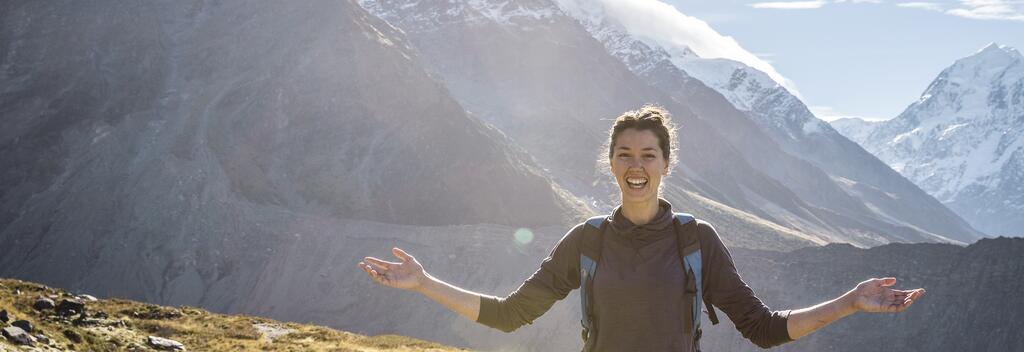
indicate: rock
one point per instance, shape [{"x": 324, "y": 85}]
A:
[
  {"x": 73, "y": 336},
  {"x": 87, "y": 298},
  {"x": 23, "y": 324},
  {"x": 83, "y": 320},
  {"x": 70, "y": 307},
  {"x": 43, "y": 303},
  {"x": 43, "y": 339},
  {"x": 163, "y": 344},
  {"x": 17, "y": 335},
  {"x": 272, "y": 331},
  {"x": 4, "y": 318}
]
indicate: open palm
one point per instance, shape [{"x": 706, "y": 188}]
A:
[
  {"x": 876, "y": 296},
  {"x": 407, "y": 274}
]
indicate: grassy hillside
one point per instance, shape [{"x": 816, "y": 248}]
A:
[{"x": 123, "y": 325}]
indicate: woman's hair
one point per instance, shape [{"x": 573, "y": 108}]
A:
[{"x": 651, "y": 118}]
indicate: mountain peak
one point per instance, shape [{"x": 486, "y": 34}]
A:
[
  {"x": 994, "y": 53},
  {"x": 996, "y": 47}
]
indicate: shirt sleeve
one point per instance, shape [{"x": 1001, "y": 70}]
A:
[
  {"x": 558, "y": 275},
  {"x": 724, "y": 288}
]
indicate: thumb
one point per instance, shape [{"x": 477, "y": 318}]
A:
[
  {"x": 398, "y": 252},
  {"x": 888, "y": 281}
]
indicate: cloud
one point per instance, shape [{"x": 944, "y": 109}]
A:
[
  {"x": 789, "y": 5},
  {"x": 931, "y": 6},
  {"x": 990, "y": 10},
  {"x": 977, "y": 9},
  {"x": 661, "y": 24}
]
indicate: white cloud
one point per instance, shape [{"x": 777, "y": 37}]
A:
[
  {"x": 990, "y": 10},
  {"x": 931, "y": 6},
  {"x": 789, "y": 5},
  {"x": 656, "y": 22}
]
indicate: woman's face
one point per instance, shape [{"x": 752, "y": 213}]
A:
[{"x": 638, "y": 165}]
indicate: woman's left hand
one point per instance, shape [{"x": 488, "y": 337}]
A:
[{"x": 876, "y": 295}]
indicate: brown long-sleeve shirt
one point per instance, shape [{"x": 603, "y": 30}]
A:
[{"x": 638, "y": 299}]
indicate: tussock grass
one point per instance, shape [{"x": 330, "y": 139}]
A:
[{"x": 128, "y": 323}]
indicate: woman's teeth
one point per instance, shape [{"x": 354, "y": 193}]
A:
[{"x": 636, "y": 182}]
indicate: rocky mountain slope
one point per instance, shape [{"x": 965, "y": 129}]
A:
[
  {"x": 963, "y": 140},
  {"x": 61, "y": 321},
  {"x": 975, "y": 286},
  {"x": 158, "y": 142},
  {"x": 175, "y": 104},
  {"x": 538, "y": 74}
]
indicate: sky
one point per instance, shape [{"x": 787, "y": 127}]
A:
[{"x": 859, "y": 58}]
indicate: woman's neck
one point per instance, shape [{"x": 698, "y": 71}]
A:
[{"x": 640, "y": 213}]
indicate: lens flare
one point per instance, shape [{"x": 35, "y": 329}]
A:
[{"x": 523, "y": 236}]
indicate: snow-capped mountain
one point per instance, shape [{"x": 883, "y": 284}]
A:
[
  {"x": 849, "y": 177},
  {"x": 963, "y": 140}
]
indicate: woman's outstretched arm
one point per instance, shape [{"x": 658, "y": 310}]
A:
[
  {"x": 874, "y": 295},
  {"x": 409, "y": 275},
  {"x": 557, "y": 276}
]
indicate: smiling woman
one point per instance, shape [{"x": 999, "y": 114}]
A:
[{"x": 656, "y": 268}]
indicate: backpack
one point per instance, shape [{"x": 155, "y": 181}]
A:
[{"x": 689, "y": 254}]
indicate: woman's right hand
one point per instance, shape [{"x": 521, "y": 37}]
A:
[{"x": 407, "y": 274}]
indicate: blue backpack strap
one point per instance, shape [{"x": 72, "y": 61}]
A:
[
  {"x": 590, "y": 253},
  {"x": 689, "y": 252}
]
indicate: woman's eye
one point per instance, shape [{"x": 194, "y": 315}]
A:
[
  {"x": 623, "y": 156},
  {"x": 648, "y": 157}
]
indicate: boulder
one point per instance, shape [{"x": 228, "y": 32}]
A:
[
  {"x": 163, "y": 344},
  {"x": 43, "y": 303},
  {"x": 73, "y": 336},
  {"x": 18, "y": 336},
  {"x": 23, "y": 324},
  {"x": 87, "y": 298},
  {"x": 4, "y": 318},
  {"x": 69, "y": 307}
]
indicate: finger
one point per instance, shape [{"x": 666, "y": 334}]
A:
[
  {"x": 369, "y": 271},
  {"x": 365, "y": 268},
  {"x": 398, "y": 252},
  {"x": 377, "y": 276},
  {"x": 380, "y": 264},
  {"x": 888, "y": 281},
  {"x": 896, "y": 307}
]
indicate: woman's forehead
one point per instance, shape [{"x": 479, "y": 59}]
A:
[{"x": 633, "y": 139}]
